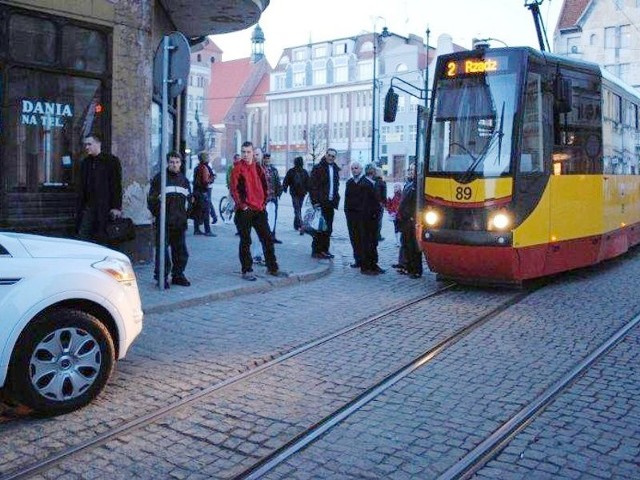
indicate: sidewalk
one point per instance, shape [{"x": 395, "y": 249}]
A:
[{"x": 214, "y": 269}]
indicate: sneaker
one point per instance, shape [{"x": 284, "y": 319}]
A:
[
  {"x": 377, "y": 269},
  {"x": 249, "y": 276},
  {"x": 257, "y": 259},
  {"x": 210, "y": 234},
  {"x": 277, "y": 273},
  {"x": 181, "y": 280},
  {"x": 328, "y": 255},
  {"x": 415, "y": 275},
  {"x": 198, "y": 232},
  {"x": 355, "y": 265},
  {"x": 275, "y": 240}
]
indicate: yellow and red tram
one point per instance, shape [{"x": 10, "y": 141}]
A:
[{"x": 532, "y": 166}]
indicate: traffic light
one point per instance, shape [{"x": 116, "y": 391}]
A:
[{"x": 390, "y": 106}]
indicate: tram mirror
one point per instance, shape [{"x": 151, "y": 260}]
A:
[
  {"x": 564, "y": 103},
  {"x": 390, "y": 106}
]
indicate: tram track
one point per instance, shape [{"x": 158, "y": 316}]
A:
[
  {"x": 489, "y": 449},
  {"x": 157, "y": 414},
  {"x": 312, "y": 433}
]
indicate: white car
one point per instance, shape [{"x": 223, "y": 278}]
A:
[{"x": 68, "y": 309}]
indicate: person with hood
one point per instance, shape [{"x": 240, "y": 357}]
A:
[
  {"x": 178, "y": 197},
  {"x": 297, "y": 182},
  {"x": 324, "y": 183}
]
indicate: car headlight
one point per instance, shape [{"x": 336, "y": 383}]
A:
[
  {"x": 120, "y": 270},
  {"x": 431, "y": 218},
  {"x": 500, "y": 221}
]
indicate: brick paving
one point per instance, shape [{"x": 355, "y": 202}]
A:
[{"x": 197, "y": 336}]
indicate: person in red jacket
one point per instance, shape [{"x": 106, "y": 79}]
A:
[{"x": 248, "y": 186}]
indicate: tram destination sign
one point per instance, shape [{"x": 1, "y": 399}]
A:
[{"x": 476, "y": 66}]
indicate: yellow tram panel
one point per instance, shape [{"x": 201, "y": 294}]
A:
[
  {"x": 534, "y": 230},
  {"x": 479, "y": 190},
  {"x": 576, "y": 208}
]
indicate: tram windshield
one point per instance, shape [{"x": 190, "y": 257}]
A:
[{"x": 473, "y": 124}]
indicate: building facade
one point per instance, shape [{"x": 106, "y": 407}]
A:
[
  {"x": 70, "y": 69},
  {"x": 200, "y": 136},
  {"x": 321, "y": 95},
  {"x": 236, "y": 103},
  {"x": 604, "y": 32}
]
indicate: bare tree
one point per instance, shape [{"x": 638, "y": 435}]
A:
[{"x": 316, "y": 141}]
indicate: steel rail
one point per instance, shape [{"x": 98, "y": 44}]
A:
[
  {"x": 144, "y": 420},
  {"x": 311, "y": 434},
  {"x": 494, "y": 443}
]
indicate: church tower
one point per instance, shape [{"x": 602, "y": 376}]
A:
[{"x": 257, "y": 45}]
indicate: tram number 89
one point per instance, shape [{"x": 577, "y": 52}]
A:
[{"x": 463, "y": 193}]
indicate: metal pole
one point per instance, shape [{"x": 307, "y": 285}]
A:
[
  {"x": 163, "y": 160},
  {"x": 373, "y": 97},
  {"x": 426, "y": 75}
]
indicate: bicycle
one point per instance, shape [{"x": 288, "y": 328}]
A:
[{"x": 226, "y": 207}]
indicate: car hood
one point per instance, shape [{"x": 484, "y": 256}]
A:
[{"x": 52, "y": 247}]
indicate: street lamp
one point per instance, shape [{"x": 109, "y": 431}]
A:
[{"x": 374, "y": 123}]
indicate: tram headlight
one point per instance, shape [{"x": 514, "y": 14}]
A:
[
  {"x": 500, "y": 221},
  {"x": 431, "y": 218}
]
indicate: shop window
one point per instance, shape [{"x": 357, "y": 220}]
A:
[
  {"x": 45, "y": 118},
  {"x": 84, "y": 49},
  {"x": 32, "y": 39}
]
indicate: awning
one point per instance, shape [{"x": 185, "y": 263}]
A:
[{"x": 197, "y": 18}]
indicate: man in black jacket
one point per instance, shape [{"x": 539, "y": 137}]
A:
[
  {"x": 407, "y": 220},
  {"x": 370, "y": 217},
  {"x": 353, "y": 207},
  {"x": 297, "y": 182},
  {"x": 178, "y": 193},
  {"x": 324, "y": 184},
  {"x": 99, "y": 191}
]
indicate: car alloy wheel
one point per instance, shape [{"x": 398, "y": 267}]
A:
[{"x": 61, "y": 361}]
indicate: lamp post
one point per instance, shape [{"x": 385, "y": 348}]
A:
[{"x": 374, "y": 123}]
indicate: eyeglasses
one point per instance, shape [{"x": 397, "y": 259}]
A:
[{"x": 331, "y": 156}]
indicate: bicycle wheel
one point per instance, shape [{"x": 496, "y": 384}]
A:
[{"x": 223, "y": 208}]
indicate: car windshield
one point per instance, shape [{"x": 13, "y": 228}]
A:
[{"x": 472, "y": 125}]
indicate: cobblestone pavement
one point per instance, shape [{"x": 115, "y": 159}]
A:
[
  {"x": 415, "y": 430},
  {"x": 434, "y": 417}
]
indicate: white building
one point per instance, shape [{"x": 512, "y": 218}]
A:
[
  {"x": 603, "y": 32},
  {"x": 321, "y": 96}
]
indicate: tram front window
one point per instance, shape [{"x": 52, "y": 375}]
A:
[{"x": 473, "y": 125}]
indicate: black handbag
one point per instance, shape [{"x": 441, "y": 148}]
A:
[{"x": 120, "y": 230}]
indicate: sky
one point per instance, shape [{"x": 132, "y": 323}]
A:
[{"x": 291, "y": 23}]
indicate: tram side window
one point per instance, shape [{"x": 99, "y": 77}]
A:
[
  {"x": 620, "y": 128},
  {"x": 531, "y": 157},
  {"x": 577, "y": 139}
]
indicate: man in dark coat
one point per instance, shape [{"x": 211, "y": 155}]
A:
[
  {"x": 99, "y": 192},
  {"x": 353, "y": 206},
  {"x": 370, "y": 218},
  {"x": 324, "y": 184},
  {"x": 297, "y": 182},
  {"x": 178, "y": 194},
  {"x": 406, "y": 215}
]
